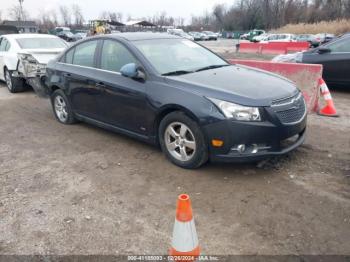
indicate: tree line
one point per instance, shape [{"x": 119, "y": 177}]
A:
[{"x": 271, "y": 14}]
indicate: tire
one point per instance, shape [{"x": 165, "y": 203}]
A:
[
  {"x": 187, "y": 149},
  {"x": 62, "y": 108},
  {"x": 14, "y": 84}
]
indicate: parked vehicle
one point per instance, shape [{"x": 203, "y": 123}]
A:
[
  {"x": 258, "y": 38},
  {"x": 335, "y": 58},
  {"x": 185, "y": 35},
  {"x": 172, "y": 31},
  {"x": 252, "y": 34},
  {"x": 180, "y": 33},
  {"x": 324, "y": 38},
  {"x": 61, "y": 28},
  {"x": 279, "y": 38},
  {"x": 69, "y": 36},
  {"x": 204, "y": 37},
  {"x": 80, "y": 35},
  {"x": 211, "y": 35},
  {"x": 308, "y": 38},
  {"x": 196, "y": 36},
  {"x": 8, "y": 29},
  {"x": 23, "y": 58},
  {"x": 173, "y": 92}
]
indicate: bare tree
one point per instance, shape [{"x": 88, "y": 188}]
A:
[
  {"x": 47, "y": 20},
  {"x": 16, "y": 12},
  {"x": 78, "y": 15},
  {"x": 114, "y": 16},
  {"x": 65, "y": 15}
]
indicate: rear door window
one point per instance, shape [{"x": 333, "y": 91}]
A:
[{"x": 84, "y": 54}]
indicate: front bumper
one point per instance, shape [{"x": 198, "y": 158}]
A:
[{"x": 261, "y": 140}]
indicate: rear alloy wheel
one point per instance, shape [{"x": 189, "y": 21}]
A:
[
  {"x": 182, "y": 141},
  {"x": 14, "y": 84},
  {"x": 62, "y": 108}
]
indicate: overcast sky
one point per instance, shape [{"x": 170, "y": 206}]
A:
[{"x": 135, "y": 8}]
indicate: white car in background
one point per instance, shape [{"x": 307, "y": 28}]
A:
[
  {"x": 259, "y": 38},
  {"x": 23, "y": 59},
  {"x": 279, "y": 38}
]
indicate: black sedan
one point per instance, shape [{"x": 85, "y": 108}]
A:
[
  {"x": 175, "y": 93},
  {"x": 335, "y": 58}
]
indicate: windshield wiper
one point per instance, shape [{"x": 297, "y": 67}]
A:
[
  {"x": 210, "y": 67},
  {"x": 178, "y": 72}
]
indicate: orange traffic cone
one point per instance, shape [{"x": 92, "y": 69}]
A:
[
  {"x": 184, "y": 246},
  {"x": 329, "y": 109}
]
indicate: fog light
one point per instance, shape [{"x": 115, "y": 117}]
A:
[{"x": 217, "y": 142}]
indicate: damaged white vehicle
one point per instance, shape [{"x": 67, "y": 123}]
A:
[{"x": 23, "y": 59}]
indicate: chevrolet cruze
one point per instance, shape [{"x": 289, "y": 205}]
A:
[{"x": 172, "y": 92}]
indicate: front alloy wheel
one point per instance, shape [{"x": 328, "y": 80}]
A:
[{"x": 180, "y": 141}]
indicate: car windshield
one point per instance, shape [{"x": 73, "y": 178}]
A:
[
  {"x": 38, "y": 43},
  {"x": 178, "y": 55}
]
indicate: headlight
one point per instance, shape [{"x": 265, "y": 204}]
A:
[{"x": 237, "y": 112}]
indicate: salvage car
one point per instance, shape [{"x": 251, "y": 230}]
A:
[
  {"x": 23, "y": 59},
  {"x": 172, "y": 92}
]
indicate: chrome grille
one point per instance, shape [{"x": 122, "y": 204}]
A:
[
  {"x": 291, "y": 109},
  {"x": 285, "y": 101}
]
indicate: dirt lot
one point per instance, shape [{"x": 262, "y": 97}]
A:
[{"x": 82, "y": 190}]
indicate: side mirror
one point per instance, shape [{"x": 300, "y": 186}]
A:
[
  {"x": 132, "y": 71},
  {"x": 323, "y": 50}
]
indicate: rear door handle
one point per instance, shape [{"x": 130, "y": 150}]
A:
[{"x": 67, "y": 74}]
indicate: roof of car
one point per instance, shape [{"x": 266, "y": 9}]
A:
[
  {"x": 19, "y": 36},
  {"x": 142, "y": 36}
]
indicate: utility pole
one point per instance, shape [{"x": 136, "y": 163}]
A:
[{"x": 21, "y": 9}]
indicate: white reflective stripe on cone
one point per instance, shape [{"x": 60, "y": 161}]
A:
[
  {"x": 327, "y": 97},
  {"x": 185, "y": 237},
  {"x": 325, "y": 92},
  {"x": 324, "y": 88}
]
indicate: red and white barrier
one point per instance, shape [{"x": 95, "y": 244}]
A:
[
  {"x": 273, "y": 47},
  {"x": 306, "y": 77}
]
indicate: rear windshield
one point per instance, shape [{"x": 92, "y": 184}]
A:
[{"x": 38, "y": 43}]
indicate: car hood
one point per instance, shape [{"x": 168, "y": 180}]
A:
[
  {"x": 43, "y": 56},
  {"x": 238, "y": 84}
]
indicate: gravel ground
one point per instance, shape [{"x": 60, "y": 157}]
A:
[{"x": 83, "y": 190}]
